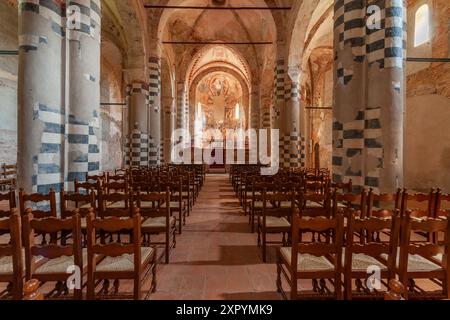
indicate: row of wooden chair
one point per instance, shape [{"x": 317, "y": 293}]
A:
[
  {"x": 70, "y": 265},
  {"x": 355, "y": 265}
]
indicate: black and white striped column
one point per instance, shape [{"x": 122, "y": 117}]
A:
[
  {"x": 294, "y": 152},
  {"x": 83, "y": 127},
  {"x": 41, "y": 114},
  {"x": 279, "y": 100},
  {"x": 138, "y": 124},
  {"x": 154, "y": 66},
  {"x": 369, "y": 42}
]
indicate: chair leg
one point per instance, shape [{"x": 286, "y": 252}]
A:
[
  {"x": 167, "y": 246},
  {"x": 137, "y": 288},
  {"x": 180, "y": 221}
]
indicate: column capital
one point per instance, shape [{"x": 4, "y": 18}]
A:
[
  {"x": 133, "y": 75},
  {"x": 294, "y": 73}
]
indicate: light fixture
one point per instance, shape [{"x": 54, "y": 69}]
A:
[{"x": 236, "y": 113}]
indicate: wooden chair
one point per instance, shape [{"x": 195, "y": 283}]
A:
[
  {"x": 275, "y": 219},
  {"x": 12, "y": 267},
  {"x": 41, "y": 206},
  {"x": 424, "y": 260},
  {"x": 178, "y": 206},
  {"x": 315, "y": 260},
  {"x": 84, "y": 203},
  {"x": 121, "y": 261},
  {"x": 256, "y": 204},
  {"x": 53, "y": 262},
  {"x": 157, "y": 219},
  {"x": 369, "y": 254}
]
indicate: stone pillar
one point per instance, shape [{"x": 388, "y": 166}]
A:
[
  {"x": 83, "y": 128},
  {"x": 138, "y": 123},
  {"x": 255, "y": 119},
  {"x": 168, "y": 125},
  {"x": 154, "y": 67},
  {"x": 369, "y": 94},
  {"x": 294, "y": 142},
  {"x": 182, "y": 97},
  {"x": 277, "y": 111},
  {"x": 41, "y": 114}
]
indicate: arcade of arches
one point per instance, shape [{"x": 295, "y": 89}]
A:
[{"x": 111, "y": 93}]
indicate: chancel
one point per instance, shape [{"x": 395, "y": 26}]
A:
[{"x": 224, "y": 150}]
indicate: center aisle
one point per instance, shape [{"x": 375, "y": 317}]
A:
[{"x": 216, "y": 256}]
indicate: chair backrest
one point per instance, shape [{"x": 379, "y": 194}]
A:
[
  {"x": 9, "y": 171},
  {"x": 90, "y": 185},
  {"x": 333, "y": 247},
  {"x": 115, "y": 186},
  {"x": 323, "y": 199},
  {"x": 429, "y": 249},
  {"x": 13, "y": 249},
  {"x": 9, "y": 202},
  {"x": 383, "y": 205},
  {"x": 78, "y": 201},
  {"x": 272, "y": 204},
  {"x": 425, "y": 201},
  {"x": 160, "y": 204},
  {"x": 107, "y": 207},
  {"x": 442, "y": 206},
  {"x": 56, "y": 248},
  {"x": 345, "y": 187},
  {"x": 114, "y": 249},
  {"x": 96, "y": 177},
  {"x": 36, "y": 200},
  {"x": 370, "y": 243},
  {"x": 350, "y": 201}
]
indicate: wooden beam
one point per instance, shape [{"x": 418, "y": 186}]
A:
[
  {"x": 218, "y": 43},
  {"x": 150, "y": 6},
  {"x": 112, "y": 104},
  {"x": 9, "y": 52},
  {"x": 428, "y": 59}
]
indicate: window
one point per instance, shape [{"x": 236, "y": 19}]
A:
[{"x": 422, "y": 26}]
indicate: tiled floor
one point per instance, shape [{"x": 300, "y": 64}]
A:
[{"x": 216, "y": 256}]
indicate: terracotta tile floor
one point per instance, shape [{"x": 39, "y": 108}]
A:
[{"x": 216, "y": 256}]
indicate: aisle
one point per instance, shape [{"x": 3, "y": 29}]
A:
[{"x": 216, "y": 256}]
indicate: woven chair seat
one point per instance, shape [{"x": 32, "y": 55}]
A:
[
  {"x": 307, "y": 262},
  {"x": 123, "y": 263}
]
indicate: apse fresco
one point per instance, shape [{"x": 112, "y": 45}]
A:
[{"x": 219, "y": 103}]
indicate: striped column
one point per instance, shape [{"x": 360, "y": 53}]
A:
[
  {"x": 169, "y": 125},
  {"x": 279, "y": 100},
  {"x": 154, "y": 67},
  {"x": 181, "y": 108},
  {"x": 138, "y": 118},
  {"x": 368, "y": 126},
  {"x": 126, "y": 133},
  {"x": 255, "y": 115},
  {"x": 83, "y": 127},
  {"x": 294, "y": 149},
  {"x": 41, "y": 114}
]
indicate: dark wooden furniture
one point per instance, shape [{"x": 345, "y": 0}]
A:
[
  {"x": 121, "y": 261},
  {"x": 318, "y": 261},
  {"x": 11, "y": 257}
]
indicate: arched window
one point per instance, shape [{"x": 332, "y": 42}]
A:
[{"x": 422, "y": 25}]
